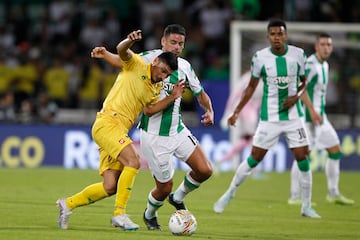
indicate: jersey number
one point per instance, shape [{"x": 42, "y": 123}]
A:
[{"x": 301, "y": 132}]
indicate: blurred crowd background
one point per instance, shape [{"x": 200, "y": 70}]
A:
[{"x": 45, "y": 45}]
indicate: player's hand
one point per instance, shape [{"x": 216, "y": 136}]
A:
[
  {"x": 98, "y": 52},
  {"x": 315, "y": 118},
  {"x": 290, "y": 101},
  {"x": 178, "y": 89},
  {"x": 232, "y": 119},
  {"x": 135, "y": 36},
  {"x": 207, "y": 119}
]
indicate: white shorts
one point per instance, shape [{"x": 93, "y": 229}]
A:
[
  {"x": 267, "y": 133},
  {"x": 323, "y": 136},
  {"x": 159, "y": 152}
]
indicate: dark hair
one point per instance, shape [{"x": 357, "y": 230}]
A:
[
  {"x": 276, "y": 23},
  {"x": 322, "y": 35},
  {"x": 174, "y": 28},
  {"x": 169, "y": 59}
]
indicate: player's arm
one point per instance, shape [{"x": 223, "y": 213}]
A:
[
  {"x": 205, "y": 102},
  {"x": 315, "y": 117},
  {"x": 248, "y": 92},
  {"x": 109, "y": 57},
  {"x": 176, "y": 92},
  {"x": 291, "y": 100},
  {"x": 123, "y": 48}
]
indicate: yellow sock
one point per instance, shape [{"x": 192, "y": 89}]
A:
[
  {"x": 124, "y": 187},
  {"x": 90, "y": 194}
]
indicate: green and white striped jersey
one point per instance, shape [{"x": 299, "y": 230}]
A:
[
  {"x": 169, "y": 122},
  {"x": 281, "y": 77},
  {"x": 317, "y": 81}
]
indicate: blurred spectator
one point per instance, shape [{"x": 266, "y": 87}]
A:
[
  {"x": 20, "y": 22},
  {"x": 298, "y": 10},
  {"x": 74, "y": 68},
  {"x": 7, "y": 39},
  {"x": 25, "y": 76},
  {"x": 152, "y": 12},
  {"x": 216, "y": 69},
  {"x": 247, "y": 9},
  {"x": 107, "y": 81},
  {"x": 6, "y": 74},
  {"x": 7, "y": 107},
  {"x": 90, "y": 91},
  {"x": 45, "y": 108},
  {"x": 92, "y": 34},
  {"x": 112, "y": 28},
  {"x": 215, "y": 19},
  {"x": 60, "y": 14},
  {"x": 56, "y": 80},
  {"x": 26, "y": 113}
]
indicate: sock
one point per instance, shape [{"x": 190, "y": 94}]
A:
[
  {"x": 305, "y": 182},
  {"x": 332, "y": 171},
  {"x": 152, "y": 206},
  {"x": 124, "y": 188},
  {"x": 294, "y": 181},
  {"x": 242, "y": 172},
  {"x": 187, "y": 185},
  {"x": 88, "y": 195}
]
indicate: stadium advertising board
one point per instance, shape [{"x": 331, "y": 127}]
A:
[{"x": 72, "y": 147}]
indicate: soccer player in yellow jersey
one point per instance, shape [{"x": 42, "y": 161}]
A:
[{"x": 136, "y": 88}]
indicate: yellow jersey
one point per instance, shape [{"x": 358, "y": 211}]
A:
[{"x": 132, "y": 90}]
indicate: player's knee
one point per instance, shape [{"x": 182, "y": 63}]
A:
[
  {"x": 207, "y": 172},
  {"x": 133, "y": 162},
  {"x": 110, "y": 188},
  {"x": 203, "y": 173}
]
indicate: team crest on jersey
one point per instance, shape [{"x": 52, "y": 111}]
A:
[
  {"x": 293, "y": 66},
  {"x": 122, "y": 141},
  {"x": 143, "y": 77}
]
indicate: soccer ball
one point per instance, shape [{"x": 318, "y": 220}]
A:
[{"x": 182, "y": 223}]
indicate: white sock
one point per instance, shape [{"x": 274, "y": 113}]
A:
[
  {"x": 183, "y": 189},
  {"x": 306, "y": 188},
  {"x": 242, "y": 172},
  {"x": 152, "y": 206},
  {"x": 295, "y": 181},
  {"x": 332, "y": 171}
]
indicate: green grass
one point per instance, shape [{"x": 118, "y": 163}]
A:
[{"x": 259, "y": 211}]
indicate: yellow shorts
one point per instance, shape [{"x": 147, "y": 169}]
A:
[{"x": 110, "y": 132}]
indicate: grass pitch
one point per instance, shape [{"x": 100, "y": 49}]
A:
[{"x": 259, "y": 210}]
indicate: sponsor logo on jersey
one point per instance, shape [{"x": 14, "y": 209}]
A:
[
  {"x": 167, "y": 87},
  {"x": 281, "y": 81}
]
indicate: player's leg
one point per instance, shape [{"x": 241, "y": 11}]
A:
[
  {"x": 155, "y": 201},
  {"x": 242, "y": 172},
  {"x": 95, "y": 192},
  {"x": 295, "y": 198},
  {"x": 131, "y": 162},
  {"x": 266, "y": 135},
  {"x": 297, "y": 139},
  {"x": 295, "y": 190},
  {"x": 189, "y": 151},
  {"x": 158, "y": 152},
  {"x": 303, "y": 163},
  {"x": 200, "y": 171},
  {"x": 91, "y": 193},
  {"x": 328, "y": 139},
  {"x": 332, "y": 171}
]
